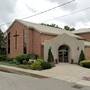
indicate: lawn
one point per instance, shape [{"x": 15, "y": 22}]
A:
[{"x": 10, "y": 63}]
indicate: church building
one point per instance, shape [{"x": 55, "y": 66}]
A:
[{"x": 30, "y": 38}]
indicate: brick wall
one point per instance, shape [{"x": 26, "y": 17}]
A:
[
  {"x": 33, "y": 37},
  {"x": 85, "y": 35},
  {"x": 87, "y": 53},
  {"x": 19, "y": 28},
  {"x": 87, "y": 38}
]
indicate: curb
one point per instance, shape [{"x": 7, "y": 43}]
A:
[{"x": 20, "y": 72}]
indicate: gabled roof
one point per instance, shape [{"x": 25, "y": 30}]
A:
[
  {"x": 46, "y": 29},
  {"x": 83, "y": 30}
]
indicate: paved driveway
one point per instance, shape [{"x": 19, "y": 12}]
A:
[
  {"x": 68, "y": 72},
  {"x": 10, "y": 81},
  {"x": 62, "y": 71}
]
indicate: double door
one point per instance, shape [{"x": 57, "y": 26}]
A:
[{"x": 63, "y": 55}]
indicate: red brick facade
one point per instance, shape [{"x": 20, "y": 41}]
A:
[
  {"x": 85, "y": 35},
  {"x": 33, "y": 37},
  {"x": 87, "y": 38},
  {"x": 34, "y": 40}
]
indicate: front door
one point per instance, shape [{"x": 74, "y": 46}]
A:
[{"x": 63, "y": 53}]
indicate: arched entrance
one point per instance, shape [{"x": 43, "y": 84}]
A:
[{"x": 63, "y": 53}]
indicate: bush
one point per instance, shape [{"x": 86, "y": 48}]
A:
[
  {"x": 40, "y": 64},
  {"x": 85, "y": 63},
  {"x": 22, "y": 57},
  {"x": 12, "y": 62},
  {"x": 36, "y": 66},
  {"x": 82, "y": 56},
  {"x": 45, "y": 65},
  {"x": 17, "y": 63},
  {"x": 25, "y": 62},
  {"x": 3, "y": 51},
  {"x": 50, "y": 56},
  {"x": 10, "y": 59},
  {"x": 30, "y": 62},
  {"x": 3, "y": 57}
]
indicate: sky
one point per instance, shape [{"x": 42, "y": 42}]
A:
[{"x": 21, "y": 9}]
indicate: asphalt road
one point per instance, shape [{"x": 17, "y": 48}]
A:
[{"x": 10, "y": 81}]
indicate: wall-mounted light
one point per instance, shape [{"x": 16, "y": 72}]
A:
[{"x": 78, "y": 48}]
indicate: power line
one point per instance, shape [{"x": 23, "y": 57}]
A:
[
  {"x": 43, "y": 11},
  {"x": 68, "y": 14},
  {"x": 49, "y": 9}
]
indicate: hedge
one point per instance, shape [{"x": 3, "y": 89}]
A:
[
  {"x": 85, "y": 63},
  {"x": 22, "y": 57}
]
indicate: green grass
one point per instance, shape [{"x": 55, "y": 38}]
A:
[
  {"x": 11, "y": 63},
  {"x": 7, "y": 63}
]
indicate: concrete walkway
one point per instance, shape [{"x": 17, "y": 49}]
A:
[{"x": 62, "y": 71}]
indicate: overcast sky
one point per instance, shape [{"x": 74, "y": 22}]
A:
[{"x": 18, "y": 9}]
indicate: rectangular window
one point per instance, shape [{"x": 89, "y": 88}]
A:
[
  {"x": 15, "y": 36},
  {"x": 24, "y": 42},
  {"x": 9, "y": 43}
]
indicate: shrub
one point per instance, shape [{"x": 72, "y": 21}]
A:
[
  {"x": 30, "y": 62},
  {"x": 36, "y": 66},
  {"x": 85, "y": 63},
  {"x": 3, "y": 57},
  {"x": 17, "y": 63},
  {"x": 12, "y": 62},
  {"x": 40, "y": 64},
  {"x": 3, "y": 51},
  {"x": 22, "y": 57},
  {"x": 45, "y": 65},
  {"x": 10, "y": 59},
  {"x": 82, "y": 56},
  {"x": 50, "y": 56},
  {"x": 25, "y": 62}
]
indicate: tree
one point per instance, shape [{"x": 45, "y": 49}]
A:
[
  {"x": 50, "y": 56},
  {"x": 1, "y": 38},
  {"x": 82, "y": 56},
  {"x": 2, "y": 43},
  {"x": 68, "y": 28},
  {"x": 72, "y": 29},
  {"x": 51, "y": 25}
]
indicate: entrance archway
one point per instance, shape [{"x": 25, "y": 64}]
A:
[{"x": 63, "y": 53}]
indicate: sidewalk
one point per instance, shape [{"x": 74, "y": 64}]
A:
[{"x": 62, "y": 71}]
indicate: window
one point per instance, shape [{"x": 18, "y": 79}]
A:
[
  {"x": 9, "y": 43},
  {"x": 16, "y": 35},
  {"x": 24, "y": 42}
]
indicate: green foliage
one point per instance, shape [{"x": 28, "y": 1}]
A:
[
  {"x": 3, "y": 57},
  {"x": 2, "y": 42},
  {"x": 40, "y": 64},
  {"x": 51, "y": 25},
  {"x": 17, "y": 63},
  {"x": 22, "y": 57},
  {"x": 30, "y": 62},
  {"x": 10, "y": 59},
  {"x": 36, "y": 65},
  {"x": 3, "y": 51},
  {"x": 82, "y": 56},
  {"x": 85, "y": 63},
  {"x": 50, "y": 56},
  {"x": 68, "y": 28},
  {"x": 46, "y": 65},
  {"x": 25, "y": 62}
]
